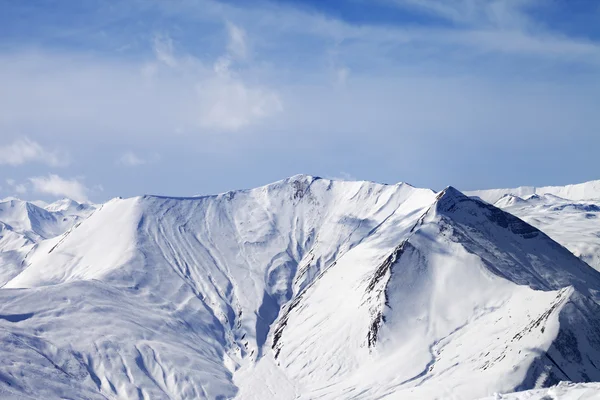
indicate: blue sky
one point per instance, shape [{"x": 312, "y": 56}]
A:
[{"x": 119, "y": 98}]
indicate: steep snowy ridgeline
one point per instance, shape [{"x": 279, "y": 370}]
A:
[
  {"x": 104, "y": 242},
  {"x": 22, "y": 224},
  {"x": 580, "y": 191},
  {"x": 460, "y": 303},
  {"x": 31, "y": 221},
  {"x": 562, "y": 391},
  {"x": 67, "y": 206},
  {"x": 37, "y": 223},
  {"x": 71, "y": 209},
  {"x": 574, "y": 224},
  {"x": 213, "y": 269}
]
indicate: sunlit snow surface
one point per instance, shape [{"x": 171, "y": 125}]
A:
[
  {"x": 574, "y": 224},
  {"x": 568, "y": 214},
  {"x": 562, "y": 391},
  {"x": 303, "y": 289},
  {"x": 24, "y": 224}
]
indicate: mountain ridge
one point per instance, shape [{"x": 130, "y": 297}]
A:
[
  {"x": 305, "y": 288},
  {"x": 581, "y": 191}
]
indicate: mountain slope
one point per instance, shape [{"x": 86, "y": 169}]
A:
[
  {"x": 574, "y": 224},
  {"x": 23, "y": 224},
  {"x": 223, "y": 265},
  {"x": 462, "y": 309},
  {"x": 306, "y": 287}
]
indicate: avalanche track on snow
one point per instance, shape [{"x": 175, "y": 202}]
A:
[{"x": 305, "y": 288}]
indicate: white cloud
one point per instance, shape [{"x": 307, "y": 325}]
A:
[
  {"x": 24, "y": 150},
  {"x": 163, "y": 49},
  {"x": 237, "y": 45},
  {"x": 488, "y": 13},
  {"x": 229, "y": 104},
  {"x": 19, "y": 188},
  {"x": 224, "y": 100},
  {"x": 130, "y": 159},
  {"x": 55, "y": 185},
  {"x": 246, "y": 87},
  {"x": 343, "y": 176},
  {"x": 237, "y": 50}
]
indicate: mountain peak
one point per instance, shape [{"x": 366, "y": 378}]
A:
[
  {"x": 508, "y": 200},
  {"x": 452, "y": 192},
  {"x": 302, "y": 177},
  {"x": 448, "y": 198},
  {"x": 63, "y": 204}
]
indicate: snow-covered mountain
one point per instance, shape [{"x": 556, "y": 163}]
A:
[
  {"x": 581, "y": 191},
  {"x": 574, "y": 224},
  {"x": 35, "y": 223},
  {"x": 306, "y": 288},
  {"x": 568, "y": 214},
  {"x": 23, "y": 224}
]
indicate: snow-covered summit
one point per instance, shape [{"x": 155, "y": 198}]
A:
[
  {"x": 39, "y": 223},
  {"x": 68, "y": 206}
]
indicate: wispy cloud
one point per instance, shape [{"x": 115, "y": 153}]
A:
[
  {"x": 307, "y": 88},
  {"x": 131, "y": 159},
  {"x": 18, "y": 188},
  {"x": 504, "y": 26},
  {"x": 228, "y": 102},
  {"x": 163, "y": 49},
  {"x": 23, "y": 151},
  {"x": 237, "y": 45},
  {"x": 224, "y": 100},
  {"x": 342, "y": 176},
  {"x": 476, "y": 13},
  {"x": 55, "y": 185}
]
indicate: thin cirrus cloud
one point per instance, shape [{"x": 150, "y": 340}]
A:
[
  {"x": 56, "y": 186},
  {"x": 24, "y": 150}
]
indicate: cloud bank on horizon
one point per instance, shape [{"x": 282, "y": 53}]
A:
[{"x": 206, "y": 96}]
